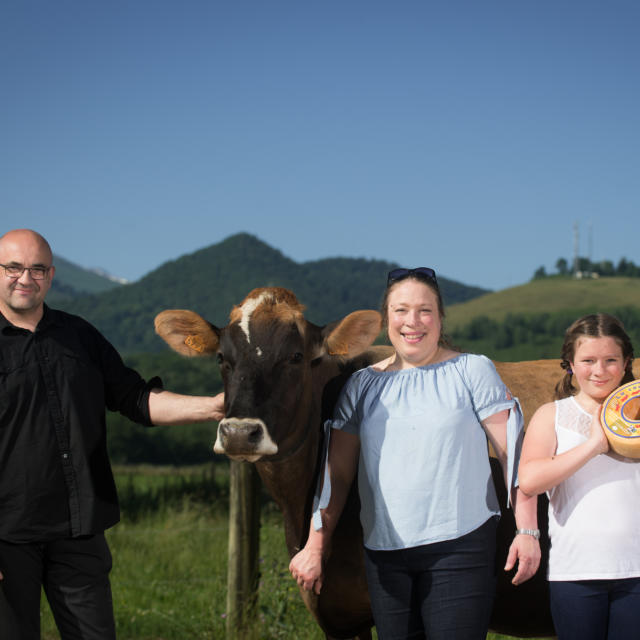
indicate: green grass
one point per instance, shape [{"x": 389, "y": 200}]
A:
[
  {"x": 170, "y": 562},
  {"x": 549, "y": 295}
]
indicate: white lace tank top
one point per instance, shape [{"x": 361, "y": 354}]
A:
[{"x": 594, "y": 519}]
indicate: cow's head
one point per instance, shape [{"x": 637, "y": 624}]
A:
[{"x": 268, "y": 354}]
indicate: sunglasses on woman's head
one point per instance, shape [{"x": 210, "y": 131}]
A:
[{"x": 399, "y": 274}]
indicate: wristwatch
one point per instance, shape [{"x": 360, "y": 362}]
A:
[{"x": 529, "y": 532}]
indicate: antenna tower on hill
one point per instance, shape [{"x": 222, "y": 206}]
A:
[{"x": 575, "y": 249}]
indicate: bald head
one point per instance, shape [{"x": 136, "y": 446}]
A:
[
  {"x": 25, "y": 237},
  {"x": 22, "y": 297}
]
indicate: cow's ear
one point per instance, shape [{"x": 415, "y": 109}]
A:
[
  {"x": 187, "y": 333},
  {"x": 353, "y": 334}
]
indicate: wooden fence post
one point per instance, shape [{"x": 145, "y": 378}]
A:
[{"x": 244, "y": 545}]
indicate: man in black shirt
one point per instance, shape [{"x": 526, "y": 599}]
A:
[{"x": 57, "y": 494}]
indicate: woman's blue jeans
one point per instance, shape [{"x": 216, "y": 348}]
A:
[
  {"x": 596, "y": 609},
  {"x": 440, "y": 591}
]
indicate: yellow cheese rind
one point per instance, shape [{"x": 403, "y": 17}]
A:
[{"x": 620, "y": 417}]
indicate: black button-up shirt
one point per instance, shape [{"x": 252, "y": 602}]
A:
[{"x": 55, "y": 383}]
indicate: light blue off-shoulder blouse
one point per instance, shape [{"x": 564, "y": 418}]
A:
[{"x": 424, "y": 474}]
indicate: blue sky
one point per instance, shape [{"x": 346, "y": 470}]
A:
[{"x": 468, "y": 136}]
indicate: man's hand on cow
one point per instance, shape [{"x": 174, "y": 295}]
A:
[
  {"x": 525, "y": 550},
  {"x": 306, "y": 569},
  {"x": 218, "y": 407}
]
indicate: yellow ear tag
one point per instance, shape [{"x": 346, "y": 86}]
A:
[
  {"x": 195, "y": 343},
  {"x": 339, "y": 350}
]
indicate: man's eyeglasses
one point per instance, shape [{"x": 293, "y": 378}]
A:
[
  {"x": 399, "y": 274},
  {"x": 15, "y": 271}
]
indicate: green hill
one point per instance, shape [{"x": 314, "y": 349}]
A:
[
  {"x": 519, "y": 323},
  {"x": 528, "y": 322},
  {"x": 211, "y": 280},
  {"x": 71, "y": 281},
  {"x": 549, "y": 296}
]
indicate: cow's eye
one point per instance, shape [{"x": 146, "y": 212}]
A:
[
  {"x": 224, "y": 364},
  {"x": 297, "y": 357}
]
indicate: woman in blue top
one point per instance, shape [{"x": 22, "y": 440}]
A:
[{"x": 418, "y": 423}]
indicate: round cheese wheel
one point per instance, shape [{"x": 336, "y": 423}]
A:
[{"x": 620, "y": 417}]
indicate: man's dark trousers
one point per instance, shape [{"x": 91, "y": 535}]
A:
[{"x": 75, "y": 576}]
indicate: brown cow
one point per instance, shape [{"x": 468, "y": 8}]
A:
[{"x": 281, "y": 376}]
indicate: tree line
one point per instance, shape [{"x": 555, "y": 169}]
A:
[
  {"x": 585, "y": 267},
  {"x": 531, "y": 336}
]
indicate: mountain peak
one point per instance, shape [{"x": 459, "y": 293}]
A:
[{"x": 213, "y": 279}]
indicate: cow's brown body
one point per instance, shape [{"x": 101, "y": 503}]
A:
[{"x": 281, "y": 376}]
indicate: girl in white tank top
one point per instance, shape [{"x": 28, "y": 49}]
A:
[{"x": 594, "y": 520}]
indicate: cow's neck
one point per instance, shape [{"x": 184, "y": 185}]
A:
[{"x": 291, "y": 482}]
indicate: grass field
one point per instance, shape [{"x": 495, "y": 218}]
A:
[{"x": 170, "y": 564}]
